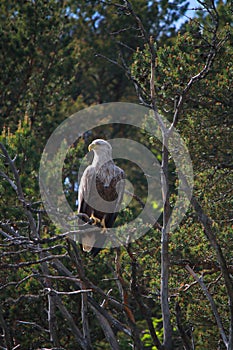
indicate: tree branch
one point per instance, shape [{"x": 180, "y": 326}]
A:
[
  {"x": 215, "y": 46},
  {"x": 19, "y": 190},
  {"x": 212, "y": 304},
  {"x": 187, "y": 341},
  {"x": 143, "y": 307}
]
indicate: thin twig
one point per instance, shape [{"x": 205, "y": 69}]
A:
[{"x": 53, "y": 291}]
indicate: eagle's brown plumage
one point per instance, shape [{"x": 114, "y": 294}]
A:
[{"x": 100, "y": 192}]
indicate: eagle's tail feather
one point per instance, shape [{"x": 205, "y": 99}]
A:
[{"x": 88, "y": 242}]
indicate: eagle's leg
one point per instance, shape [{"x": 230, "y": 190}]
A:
[
  {"x": 103, "y": 225},
  {"x": 94, "y": 219}
]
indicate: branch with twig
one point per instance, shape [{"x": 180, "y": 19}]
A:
[{"x": 212, "y": 303}]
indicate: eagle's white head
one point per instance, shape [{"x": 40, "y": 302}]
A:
[
  {"x": 100, "y": 147},
  {"x": 102, "y": 156}
]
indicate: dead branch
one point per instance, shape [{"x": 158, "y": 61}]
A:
[
  {"x": 100, "y": 312},
  {"x": 75, "y": 330},
  {"x": 19, "y": 190},
  {"x": 107, "y": 329},
  {"x": 34, "y": 262},
  {"x": 212, "y": 303},
  {"x": 33, "y": 324},
  {"x": 52, "y": 291},
  {"x": 187, "y": 340},
  {"x": 215, "y": 44},
  {"x": 138, "y": 297},
  {"x": 13, "y": 185},
  {"x": 75, "y": 256},
  {"x": 122, "y": 285},
  {"x": 118, "y": 326},
  {"x": 123, "y": 288}
]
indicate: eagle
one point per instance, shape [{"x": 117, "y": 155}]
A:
[{"x": 100, "y": 194}]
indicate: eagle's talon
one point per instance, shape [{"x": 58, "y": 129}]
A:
[
  {"x": 94, "y": 220},
  {"x": 98, "y": 222},
  {"x": 104, "y": 228}
]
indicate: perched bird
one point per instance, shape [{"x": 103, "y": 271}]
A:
[{"x": 100, "y": 194}]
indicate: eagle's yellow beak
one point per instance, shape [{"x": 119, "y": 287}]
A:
[{"x": 91, "y": 147}]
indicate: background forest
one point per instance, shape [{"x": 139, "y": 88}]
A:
[{"x": 167, "y": 290}]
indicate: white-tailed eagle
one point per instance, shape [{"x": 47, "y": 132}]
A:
[{"x": 100, "y": 194}]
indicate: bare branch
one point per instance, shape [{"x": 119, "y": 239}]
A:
[
  {"x": 212, "y": 303},
  {"x": 113, "y": 321},
  {"x": 6, "y": 235},
  {"x": 209, "y": 231},
  {"x": 122, "y": 285},
  {"x": 18, "y": 283},
  {"x": 13, "y": 185},
  {"x": 143, "y": 307},
  {"x": 33, "y": 324},
  {"x": 53, "y": 291},
  {"x": 109, "y": 334},
  {"x": 187, "y": 340},
  {"x": 75, "y": 330},
  {"x": 34, "y": 262},
  {"x": 215, "y": 46},
  {"x": 19, "y": 189}
]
